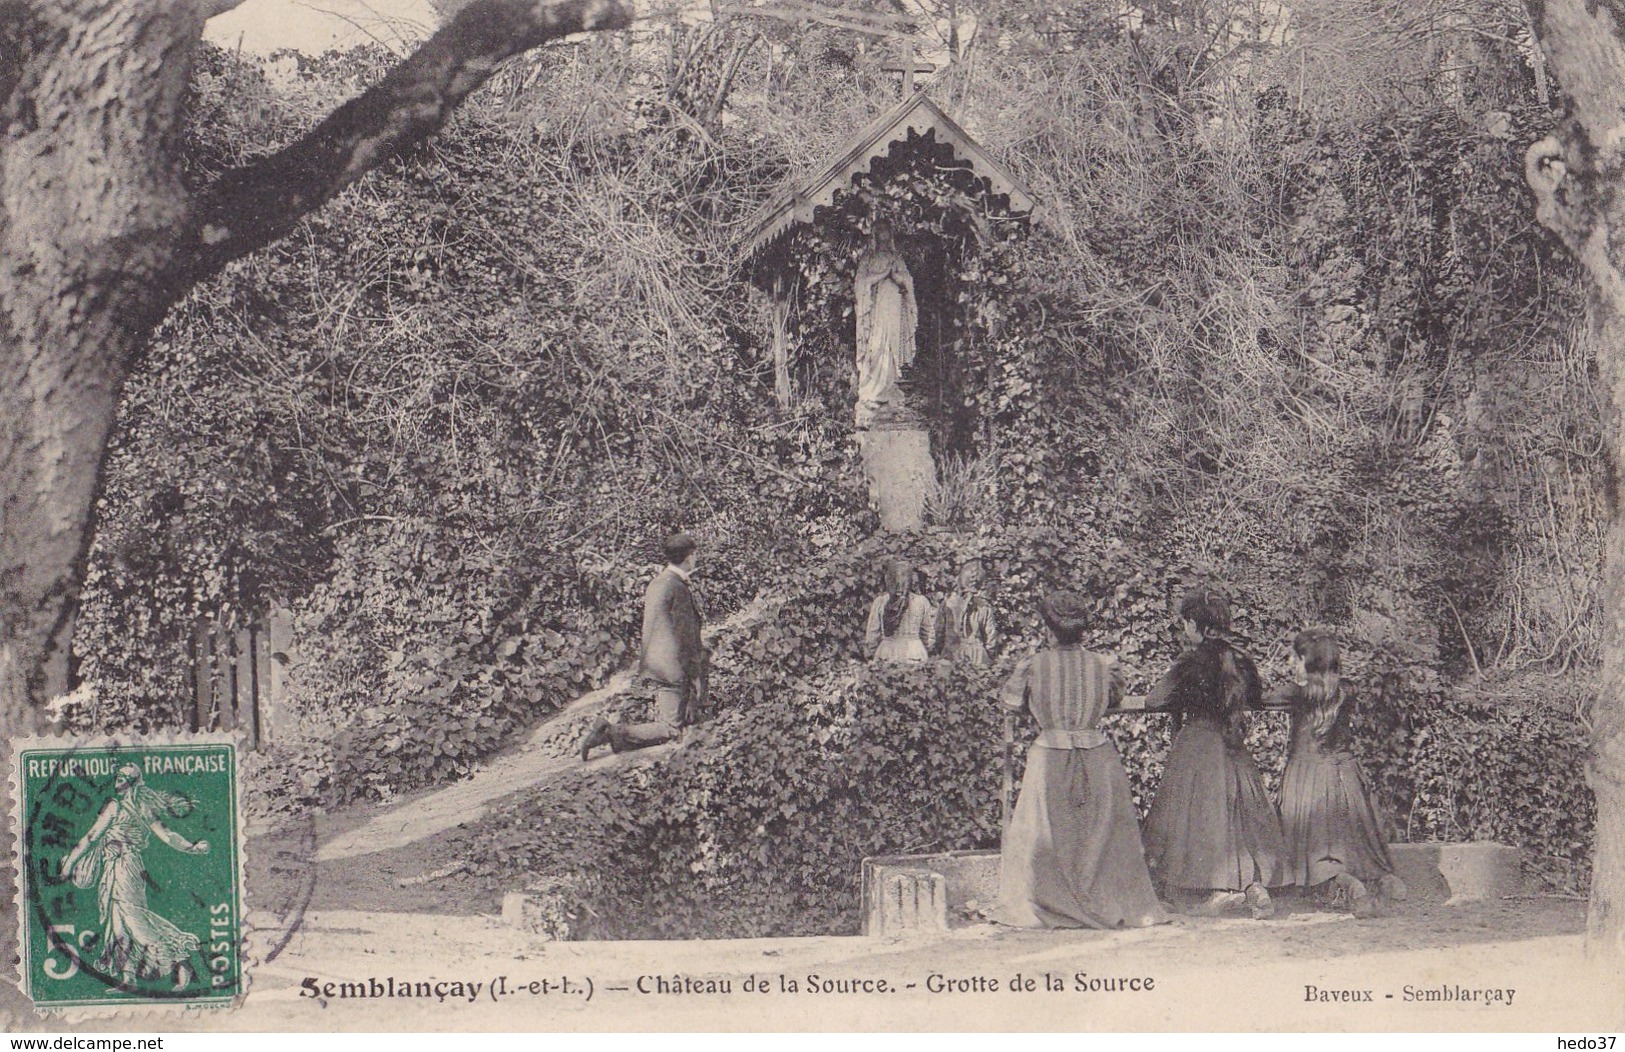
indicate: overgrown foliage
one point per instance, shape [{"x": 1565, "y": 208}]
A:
[
  {"x": 1289, "y": 333},
  {"x": 758, "y": 824}
]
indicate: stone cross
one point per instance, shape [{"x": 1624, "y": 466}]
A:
[{"x": 908, "y": 66}]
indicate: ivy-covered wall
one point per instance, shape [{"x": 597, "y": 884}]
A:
[
  {"x": 758, "y": 825},
  {"x": 1307, "y": 345}
]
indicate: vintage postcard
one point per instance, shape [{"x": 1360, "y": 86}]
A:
[{"x": 797, "y": 515}]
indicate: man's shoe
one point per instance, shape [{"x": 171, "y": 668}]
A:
[
  {"x": 596, "y": 736},
  {"x": 1391, "y": 889},
  {"x": 1258, "y": 902}
]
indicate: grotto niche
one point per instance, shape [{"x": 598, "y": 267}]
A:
[{"x": 878, "y": 266}]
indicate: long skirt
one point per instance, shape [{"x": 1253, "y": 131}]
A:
[
  {"x": 1072, "y": 857},
  {"x": 1330, "y": 822},
  {"x": 1212, "y": 826}
]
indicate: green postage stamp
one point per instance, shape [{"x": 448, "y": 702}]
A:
[{"x": 131, "y": 872}]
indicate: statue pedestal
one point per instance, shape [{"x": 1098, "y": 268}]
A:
[{"x": 900, "y": 471}]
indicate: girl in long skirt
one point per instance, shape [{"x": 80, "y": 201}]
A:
[
  {"x": 902, "y": 622},
  {"x": 1212, "y": 828},
  {"x": 1072, "y": 857},
  {"x": 966, "y": 620},
  {"x": 1334, "y": 837}
]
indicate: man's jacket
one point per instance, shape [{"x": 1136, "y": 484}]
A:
[{"x": 672, "y": 653}]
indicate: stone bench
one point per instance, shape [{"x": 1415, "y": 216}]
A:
[
  {"x": 1453, "y": 873},
  {"x": 923, "y": 893}
]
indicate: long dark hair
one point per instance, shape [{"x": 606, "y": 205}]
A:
[
  {"x": 899, "y": 585},
  {"x": 1323, "y": 673},
  {"x": 1238, "y": 683},
  {"x": 1210, "y": 612},
  {"x": 1240, "y": 689}
]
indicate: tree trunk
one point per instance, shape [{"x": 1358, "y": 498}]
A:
[
  {"x": 1577, "y": 176},
  {"x": 1605, "y": 769},
  {"x": 98, "y": 238},
  {"x": 89, "y": 205}
]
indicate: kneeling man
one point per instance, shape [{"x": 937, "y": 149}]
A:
[{"x": 673, "y": 657}]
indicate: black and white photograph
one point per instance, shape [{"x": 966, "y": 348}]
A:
[{"x": 564, "y": 516}]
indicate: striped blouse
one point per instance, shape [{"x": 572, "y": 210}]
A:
[{"x": 1068, "y": 689}]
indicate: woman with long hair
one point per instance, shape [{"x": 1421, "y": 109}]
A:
[
  {"x": 902, "y": 622},
  {"x": 1212, "y": 827},
  {"x": 969, "y": 634},
  {"x": 1072, "y": 855},
  {"x": 1334, "y": 836},
  {"x": 135, "y": 942}
]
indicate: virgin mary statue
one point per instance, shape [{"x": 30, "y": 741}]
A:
[{"x": 887, "y": 315}]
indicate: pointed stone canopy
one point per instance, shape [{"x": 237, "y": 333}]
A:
[{"x": 915, "y": 118}]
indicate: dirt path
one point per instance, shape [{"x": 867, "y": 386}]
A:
[
  {"x": 535, "y": 762},
  {"x": 545, "y": 752}
]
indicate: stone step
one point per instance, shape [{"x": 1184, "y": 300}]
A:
[{"x": 1454, "y": 873}]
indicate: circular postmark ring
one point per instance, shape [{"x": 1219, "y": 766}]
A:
[{"x": 281, "y": 883}]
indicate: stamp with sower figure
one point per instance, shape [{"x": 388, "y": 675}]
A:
[{"x": 131, "y": 873}]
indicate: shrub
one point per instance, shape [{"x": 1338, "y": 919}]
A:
[
  {"x": 758, "y": 824},
  {"x": 965, "y": 496},
  {"x": 1304, "y": 347}
]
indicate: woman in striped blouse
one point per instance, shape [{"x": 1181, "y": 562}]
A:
[{"x": 1072, "y": 856}]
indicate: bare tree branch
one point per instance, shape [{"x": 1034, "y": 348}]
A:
[{"x": 249, "y": 207}]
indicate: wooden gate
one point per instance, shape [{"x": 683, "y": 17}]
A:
[{"x": 240, "y": 677}]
